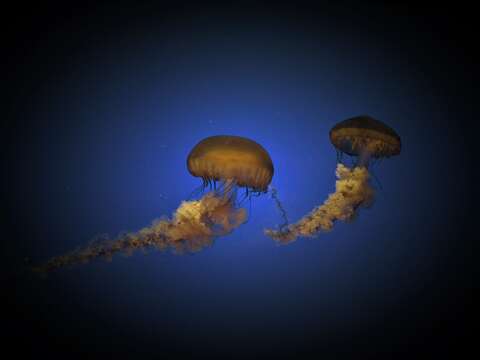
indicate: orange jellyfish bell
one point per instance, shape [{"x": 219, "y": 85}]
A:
[
  {"x": 231, "y": 158},
  {"x": 365, "y": 137},
  {"x": 364, "y": 133}
]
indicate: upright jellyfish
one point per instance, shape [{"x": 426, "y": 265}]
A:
[
  {"x": 231, "y": 161},
  {"x": 235, "y": 160},
  {"x": 364, "y": 138}
]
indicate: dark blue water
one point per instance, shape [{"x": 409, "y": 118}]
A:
[{"x": 109, "y": 117}]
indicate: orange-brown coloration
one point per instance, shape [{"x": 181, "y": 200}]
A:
[
  {"x": 235, "y": 158},
  {"x": 365, "y": 134}
]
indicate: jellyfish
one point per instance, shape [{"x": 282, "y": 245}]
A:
[
  {"x": 364, "y": 138},
  {"x": 235, "y": 160},
  {"x": 232, "y": 163}
]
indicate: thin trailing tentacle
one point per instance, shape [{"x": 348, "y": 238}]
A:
[{"x": 274, "y": 193}]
